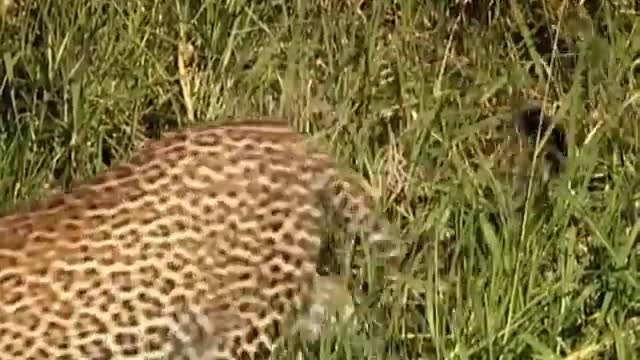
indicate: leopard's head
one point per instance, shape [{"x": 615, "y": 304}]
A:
[{"x": 540, "y": 152}]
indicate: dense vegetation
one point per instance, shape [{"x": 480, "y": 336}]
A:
[{"x": 417, "y": 97}]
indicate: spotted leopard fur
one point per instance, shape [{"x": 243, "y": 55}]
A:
[{"x": 203, "y": 246}]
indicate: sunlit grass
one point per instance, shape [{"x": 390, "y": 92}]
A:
[{"x": 413, "y": 97}]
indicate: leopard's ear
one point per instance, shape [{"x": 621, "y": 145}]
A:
[{"x": 527, "y": 121}]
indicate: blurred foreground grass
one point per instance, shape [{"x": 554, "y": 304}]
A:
[{"x": 417, "y": 97}]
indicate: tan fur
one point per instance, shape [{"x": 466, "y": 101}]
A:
[{"x": 203, "y": 246}]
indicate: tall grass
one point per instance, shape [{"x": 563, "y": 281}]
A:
[{"x": 413, "y": 95}]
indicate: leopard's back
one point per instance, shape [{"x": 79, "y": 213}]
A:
[{"x": 204, "y": 245}]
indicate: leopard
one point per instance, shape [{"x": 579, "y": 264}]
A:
[
  {"x": 203, "y": 245},
  {"x": 534, "y": 155},
  {"x": 532, "y": 125}
]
